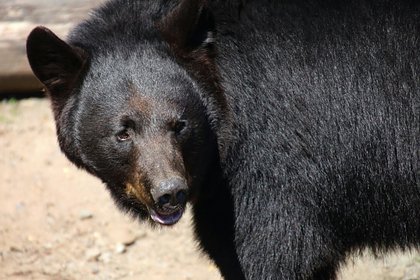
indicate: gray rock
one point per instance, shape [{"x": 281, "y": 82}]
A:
[
  {"x": 120, "y": 248},
  {"x": 105, "y": 257},
  {"x": 92, "y": 254},
  {"x": 85, "y": 215}
]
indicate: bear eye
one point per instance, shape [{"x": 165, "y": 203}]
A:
[
  {"x": 123, "y": 135},
  {"x": 179, "y": 126}
]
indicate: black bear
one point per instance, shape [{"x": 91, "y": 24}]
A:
[{"x": 292, "y": 127}]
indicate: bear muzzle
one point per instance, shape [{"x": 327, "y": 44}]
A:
[{"x": 170, "y": 197}]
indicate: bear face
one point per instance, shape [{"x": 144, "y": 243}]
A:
[
  {"x": 134, "y": 117},
  {"x": 146, "y": 149}
]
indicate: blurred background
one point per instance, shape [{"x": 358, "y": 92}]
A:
[{"x": 57, "y": 222}]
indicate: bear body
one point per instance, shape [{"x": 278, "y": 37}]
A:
[{"x": 292, "y": 127}]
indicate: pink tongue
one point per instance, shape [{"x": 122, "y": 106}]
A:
[{"x": 166, "y": 219}]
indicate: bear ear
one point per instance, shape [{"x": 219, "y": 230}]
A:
[
  {"x": 189, "y": 26},
  {"x": 54, "y": 62}
]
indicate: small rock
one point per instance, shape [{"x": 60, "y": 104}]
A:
[
  {"x": 120, "y": 248},
  {"x": 70, "y": 266},
  {"x": 99, "y": 240},
  {"x": 129, "y": 240},
  {"x": 50, "y": 220},
  {"x": 121, "y": 275},
  {"x": 15, "y": 249},
  {"x": 48, "y": 246},
  {"x": 51, "y": 269},
  {"x": 85, "y": 214},
  {"x": 105, "y": 257},
  {"x": 93, "y": 254},
  {"x": 20, "y": 206},
  {"x": 124, "y": 236},
  {"x": 31, "y": 238}
]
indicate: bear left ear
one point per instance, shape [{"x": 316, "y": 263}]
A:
[
  {"x": 54, "y": 62},
  {"x": 189, "y": 26}
]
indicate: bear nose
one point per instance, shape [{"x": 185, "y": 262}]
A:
[{"x": 170, "y": 194}]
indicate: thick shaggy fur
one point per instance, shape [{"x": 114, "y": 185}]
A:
[{"x": 303, "y": 136}]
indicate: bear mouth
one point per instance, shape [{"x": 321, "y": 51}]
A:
[{"x": 166, "y": 218}]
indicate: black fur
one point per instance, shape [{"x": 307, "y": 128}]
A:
[{"x": 302, "y": 142}]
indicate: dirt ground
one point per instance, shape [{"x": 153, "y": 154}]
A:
[{"x": 57, "y": 222}]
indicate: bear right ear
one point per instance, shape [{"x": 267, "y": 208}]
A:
[
  {"x": 54, "y": 62},
  {"x": 189, "y": 26}
]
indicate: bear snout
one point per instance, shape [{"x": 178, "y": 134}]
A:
[
  {"x": 170, "y": 194},
  {"x": 170, "y": 197}
]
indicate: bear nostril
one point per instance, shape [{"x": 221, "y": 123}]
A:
[
  {"x": 164, "y": 200},
  {"x": 181, "y": 197}
]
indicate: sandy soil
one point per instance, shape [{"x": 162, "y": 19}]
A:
[{"x": 57, "y": 222}]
